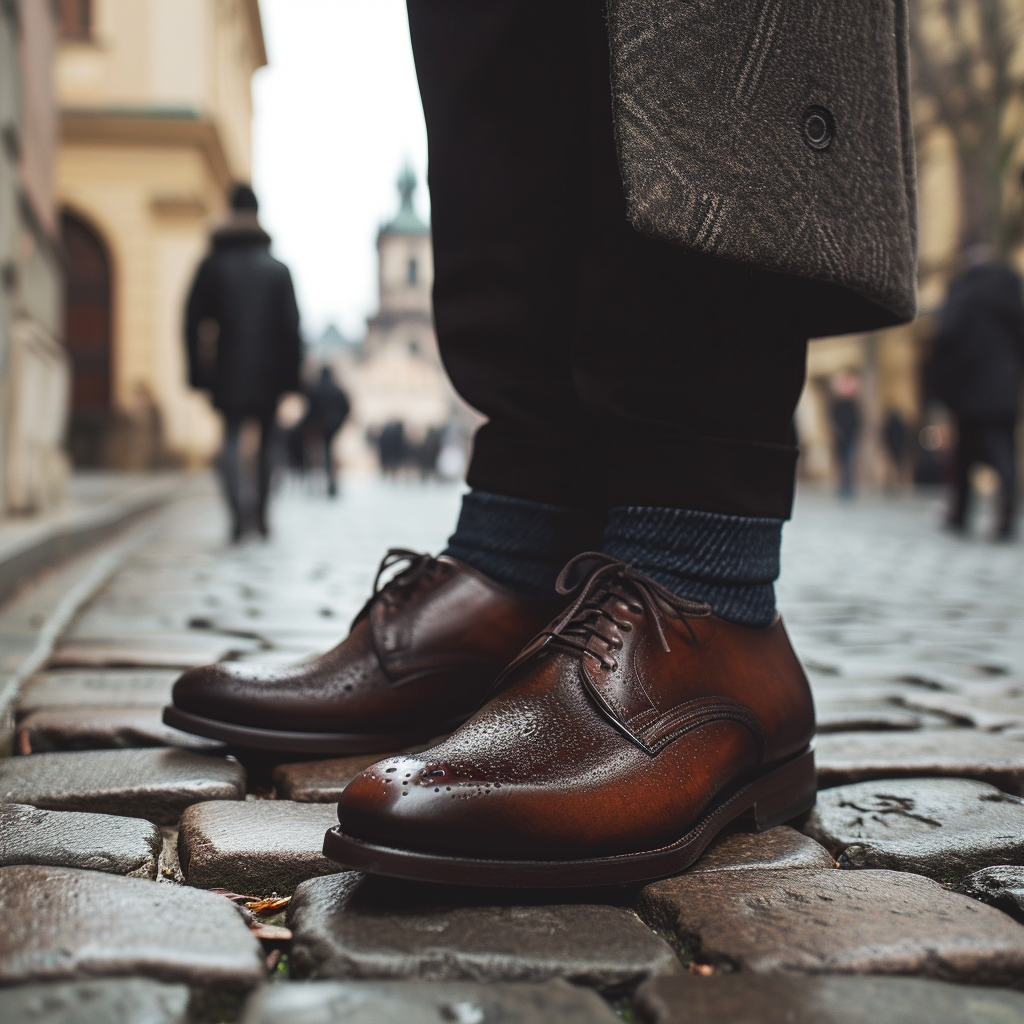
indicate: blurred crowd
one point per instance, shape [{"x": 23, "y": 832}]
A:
[{"x": 976, "y": 371}]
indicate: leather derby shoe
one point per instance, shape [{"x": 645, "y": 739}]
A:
[
  {"x": 617, "y": 745},
  {"x": 421, "y": 655}
]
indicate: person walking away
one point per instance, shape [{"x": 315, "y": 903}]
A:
[
  {"x": 329, "y": 407},
  {"x": 625, "y": 282},
  {"x": 844, "y": 414},
  {"x": 242, "y": 337},
  {"x": 894, "y": 437},
  {"x": 977, "y": 368}
]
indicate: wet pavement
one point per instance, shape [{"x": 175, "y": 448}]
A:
[{"x": 112, "y": 823}]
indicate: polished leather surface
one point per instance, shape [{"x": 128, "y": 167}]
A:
[
  {"x": 420, "y": 655},
  {"x": 613, "y": 732}
]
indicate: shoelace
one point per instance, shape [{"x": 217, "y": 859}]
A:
[
  {"x": 581, "y": 621},
  {"x": 614, "y": 580},
  {"x": 417, "y": 566}
]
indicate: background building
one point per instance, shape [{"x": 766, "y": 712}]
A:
[
  {"x": 155, "y": 119},
  {"x": 395, "y": 374},
  {"x": 33, "y": 364}
]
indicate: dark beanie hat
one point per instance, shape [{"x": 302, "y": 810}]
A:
[{"x": 243, "y": 198}]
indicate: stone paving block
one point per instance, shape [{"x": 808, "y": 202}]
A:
[
  {"x": 65, "y": 924},
  {"x": 775, "y": 850},
  {"x": 984, "y": 710},
  {"x": 874, "y": 708},
  {"x": 867, "y": 690},
  {"x": 857, "y": 716},
  {"x": 154, "y": 784},
  {"x": 97, "y": 728},
  {"x": 345, "y": 927},
  {"x": 1001, "y": 886},
  {"x": 941, "y": 828},
  {"x": 136, "y": 688},
  {"x": 319, "y": 782},
  {"x": 836, "y": 922},
  {"x": 70, "y": 839},
  {"x": 280, "y": 657},
  {"x": 254, "y": 846},
  {"x": 786, "y": 999},
  {"x": 424, "y": 1002},
  {"x": 300, "y": 616},
  {"x": 270, "y": 632},
  {"x": 105, "y": 1001},
  {"x": 847, "y": 757},
  {"x": 163, "y": 650},
  {"x": 999, "y": 688}
]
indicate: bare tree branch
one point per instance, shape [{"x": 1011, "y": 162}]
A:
[{"x": 962, "y": 62}]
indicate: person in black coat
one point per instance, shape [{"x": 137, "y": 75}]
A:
[
  {"x": 977, "y": 369},
  {"x": 242, "y": 332},
  {"x": 844, "y": 413},
  {"x": 329, "y": 407}
]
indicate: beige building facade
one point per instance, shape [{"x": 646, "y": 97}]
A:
[
  {"x": 155, "y": 125},
  {"x": 33, "y": 364}
]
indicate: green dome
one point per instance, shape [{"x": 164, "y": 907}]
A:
[{"x": 407, "y": 221}]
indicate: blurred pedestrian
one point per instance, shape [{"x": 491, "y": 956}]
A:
[
  {"x": 844, "y": 414},
  {"x": 329, "y": 407},
  {"x": 392, "y": 447},
  {"x": 894, "y": 438},
  {"x": 242, "y": 334},
  {"x": 977, "y": 369},
  {"x": 428, "y": 451}
]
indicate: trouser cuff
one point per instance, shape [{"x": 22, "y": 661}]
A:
[{"x": 708, "y": 474}]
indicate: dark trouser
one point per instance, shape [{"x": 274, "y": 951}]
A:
[
  {"x": 614, "y": 369},
  {"x": 231, "y": 470},
  {"x": 988, "y": 441}
]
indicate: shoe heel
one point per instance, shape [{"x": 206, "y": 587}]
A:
[{"x": 786, "y": 794}]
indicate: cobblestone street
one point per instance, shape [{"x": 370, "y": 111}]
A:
[{"x": 899, "y": 899}]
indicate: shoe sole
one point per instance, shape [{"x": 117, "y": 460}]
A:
[
  {"x": 782, "y": 794},
  {"x": 251, "y": 738}
]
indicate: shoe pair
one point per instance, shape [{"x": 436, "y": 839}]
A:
[{"x": 632, "y": 727}]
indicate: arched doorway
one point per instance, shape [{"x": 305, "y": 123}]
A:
[{"x": 87, "y": 323}]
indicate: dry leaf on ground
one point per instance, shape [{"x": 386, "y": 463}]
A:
[{"x": 271, "y": 903}]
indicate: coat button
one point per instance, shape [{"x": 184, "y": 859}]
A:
[{"x": 818, "y": 127}]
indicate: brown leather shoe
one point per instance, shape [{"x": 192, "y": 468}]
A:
[
  {"x": 620, "y": 742},
  {"x": 421, "y": 655}
]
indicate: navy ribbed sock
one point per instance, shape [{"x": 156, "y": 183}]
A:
[
  {"x": 519, "y": 543},
  {"x": 731, "y": 562}
]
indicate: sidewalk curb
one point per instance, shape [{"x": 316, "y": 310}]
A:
[
  {"x": 62, "y": 538},
  {"x": 72, "y": 586}
]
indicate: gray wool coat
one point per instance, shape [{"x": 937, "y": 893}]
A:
[{"x": 774, "y": 133}]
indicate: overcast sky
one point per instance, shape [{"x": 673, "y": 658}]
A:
[{"x": 337, "y": 113}]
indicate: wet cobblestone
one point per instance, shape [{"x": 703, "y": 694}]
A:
[{"x": 914, "y": 643}]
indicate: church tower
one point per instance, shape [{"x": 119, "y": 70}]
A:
[
  {"x": 396, "y": 374},
  {"x": 405, "y": 276}
]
